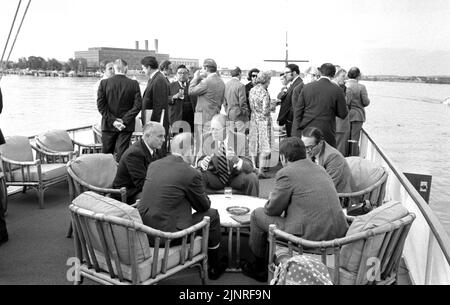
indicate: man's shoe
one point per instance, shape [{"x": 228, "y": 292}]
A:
[
  {"x": 249, "y": 270},
  {"x": 3, "y": 239},
  {"x": 214, "y": 272}
]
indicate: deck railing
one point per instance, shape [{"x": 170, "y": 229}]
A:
[{"x": 427, "y": 248}]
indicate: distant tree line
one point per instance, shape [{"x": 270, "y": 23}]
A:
[{"x": 51, "y": 64}]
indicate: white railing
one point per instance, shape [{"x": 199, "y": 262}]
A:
[{"x": 427, "y": 248}]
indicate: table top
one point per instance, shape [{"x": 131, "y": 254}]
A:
[{"x": 221, "y": 203}]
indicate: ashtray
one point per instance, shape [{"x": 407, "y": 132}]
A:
[{"x": 238, "y": 210}]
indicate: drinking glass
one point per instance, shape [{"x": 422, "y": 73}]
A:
[
  {"x": 228, "y": 192},
  {"x": 181, "y": 93}
]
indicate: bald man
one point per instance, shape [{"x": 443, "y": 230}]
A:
[
  {"x": 136, "y": 159},
  {"x": 168, "y": 200}
]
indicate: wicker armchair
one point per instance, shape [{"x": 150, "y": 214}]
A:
[
  {"x": 59, "y": 141},
  {"x": 368, "y": 254},
  {"x": 20, "y": 168},
  {"x": 94, "y": 173},
  {"x": 368, "y": 185},
  {"x": 115, "y": 249}
]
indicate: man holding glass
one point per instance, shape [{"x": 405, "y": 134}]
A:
[{"x": 180, "y": 105}]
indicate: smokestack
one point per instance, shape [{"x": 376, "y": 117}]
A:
[
  {"x": 156, "y": 46},
  {"x": 146, "y": 45},
  {"x": 137, "y": 45}
]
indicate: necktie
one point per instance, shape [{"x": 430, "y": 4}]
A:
[{"x": 224, "y": 175}]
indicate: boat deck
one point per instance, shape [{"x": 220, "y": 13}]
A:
[{"x": 38, "y": 249}]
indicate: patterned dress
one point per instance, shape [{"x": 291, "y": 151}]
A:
[{"x": 261, "y": 129}]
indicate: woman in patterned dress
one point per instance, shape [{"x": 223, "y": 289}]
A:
[{"x": 261, "y": 129}]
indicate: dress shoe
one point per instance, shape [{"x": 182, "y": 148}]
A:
[
  {"x": 214, "y": 272},
  {"x": 3, "y": 239},
  {"x": 250, "y": 270}
]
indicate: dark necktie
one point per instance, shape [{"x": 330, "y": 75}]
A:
[
  {"x": 313, "y": 159},
  {"x": 224, "y": 175}
]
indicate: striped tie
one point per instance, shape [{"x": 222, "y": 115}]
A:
[{"x": 224, "y": 175}]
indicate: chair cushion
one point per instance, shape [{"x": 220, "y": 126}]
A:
[
  {"x": 145, "y": 268},
  {"x": 17, "y": 148},
  {"x": 98, "y": 204},
  {"x": 95, "y": 169},
  {"x": 351, "y": 254},
  {"x": 364, "y": 173},
  {"x": 56, "y": 140},
  {"x": 49, "y": 172}
]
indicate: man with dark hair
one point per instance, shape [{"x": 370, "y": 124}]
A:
[
  {"x": 166, "y": 68},
  {"x": 236, "y": 103},
  {"x": 321, "y": 153},
  {"x": 209, "y": 89},
  {"x": 304, "y": 203},
  {"x": 133, "y": 166},
  {"x": 118, "y": 101},
  {"x": 168, "y": 200},
  {"x": 181, "y": 108},
  {"x": 318, "y": 105},
  {"x": 156, "y": 95},
  {"x": 285, "y": 117}
]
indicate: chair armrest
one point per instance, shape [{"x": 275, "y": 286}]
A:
[
  {"x": 176, "y": 235},
  {"x": 366, "y": 190},
  {"x": 20, "y": 163}
]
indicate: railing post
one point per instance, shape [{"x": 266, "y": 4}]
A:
[{"x": 429, "y": 266}]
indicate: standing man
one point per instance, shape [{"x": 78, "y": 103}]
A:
[
  {"x": 318, "y": 106},
  {"x": 285, "y": 117},
  {"x": 168, "y": 200},
  {"x": 181, "y": 108},
  {"x": 132, "y": 168},
  {"x": 3, "y": 196},
  {"x": 210, "y": 90},
  {"x": 119, "y": 101},
  {"x": 236, "y": 102},
  {"x": 166, "y": 68},
  {"x": 156, "y": 94}
]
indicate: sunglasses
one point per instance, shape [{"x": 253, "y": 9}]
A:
[{"x": 254, "y": 75}]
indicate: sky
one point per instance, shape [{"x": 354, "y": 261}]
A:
[{"x": 401, "y": 37}]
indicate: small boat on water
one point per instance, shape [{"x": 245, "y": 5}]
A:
[{"x": 37, "y": 237}]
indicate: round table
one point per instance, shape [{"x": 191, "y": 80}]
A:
[{"x": 221, "y": 203}]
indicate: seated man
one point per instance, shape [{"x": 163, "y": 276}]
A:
[
  {"x": 133, "y": 165},
  {"x": 168, "y": 200},
  {"x": 304, "y": 203},
  {"x": 224, "y": 163},
  {"x": 328, "y": 157}
]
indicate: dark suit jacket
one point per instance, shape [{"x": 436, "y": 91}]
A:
[
  {"x": 132, "y": 168},
  {"x": 119, "y": 97},
  {"x": 167, "y": 200},
  {"x": 2, "y": 139},
  {"x": 156, "y": 97},
  {"x": 317, "y": 106},
  {"x": 285, "y": 114},
  {"x": 306, "y": 193},
  {"x": 176, "y": 106}
]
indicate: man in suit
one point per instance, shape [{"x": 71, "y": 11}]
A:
[
  {"x": 168, "y": 200},
  {"x": 209, "y": 89},
  {"x": 236, "y": 102},
  {"x": 321, "y": 153},
  {"x": 156, "y": 95},
  {"x": 304, "y": 203},
  {"x": 134, "y": 163},
  {"x": 181, "y": 109},
  {"x": 224, "y": 163},
  {"x": 118, "y": 101},
  {"x": 318, "y": 106},
  {"x": 3, "y": 190},
  {"x": 285, "y": 116}
]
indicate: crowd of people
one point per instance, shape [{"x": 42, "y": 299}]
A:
[{"x": 204, "y": 135}]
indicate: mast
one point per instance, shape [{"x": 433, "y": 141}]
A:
[{"x": 286, "y": 61}]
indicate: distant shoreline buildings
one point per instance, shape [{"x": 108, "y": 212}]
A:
[{"x": 95, "y": 57}]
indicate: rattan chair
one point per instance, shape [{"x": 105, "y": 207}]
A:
[
  {"x": 21, "y": 168},
  {"x": 115, "y": 251},
  {"x": 59, "y": 141},
  {"x": 379, "y": 252}
]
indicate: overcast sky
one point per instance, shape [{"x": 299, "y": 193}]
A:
[{"x": 405, "y": 37}]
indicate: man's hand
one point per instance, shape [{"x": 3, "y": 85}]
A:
[
  {"x": 204, "y": 164},
  {"x": 118, "y": 124}
]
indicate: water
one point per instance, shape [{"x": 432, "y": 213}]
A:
[{"x": 406, "y": 119}]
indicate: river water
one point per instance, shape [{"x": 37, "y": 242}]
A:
[{"x": 408, "y": 120}]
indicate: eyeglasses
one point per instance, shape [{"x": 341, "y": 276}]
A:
[
  {"x": 288, "y": 72},
  {"x": 254, "y": 75},
  {"x": 309, "y": 148}
]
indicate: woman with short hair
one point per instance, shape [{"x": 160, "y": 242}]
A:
[{"x": 261, "y": 129}]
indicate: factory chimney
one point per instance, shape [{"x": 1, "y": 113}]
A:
[
  {"x": 137, "y": 45},
  {"x": 146, "y": 45},
  {"x": 156, "y": 46}
]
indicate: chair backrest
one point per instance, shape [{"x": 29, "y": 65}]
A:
[
  {"x": 92, "y": 171},
  {"x": 57, "y": 140},
  {"x": 17, "y": 148},
  {"x": 110, "y": 236}
]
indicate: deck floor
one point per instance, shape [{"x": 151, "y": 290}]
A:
[{"x": 38, "y": 249}]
